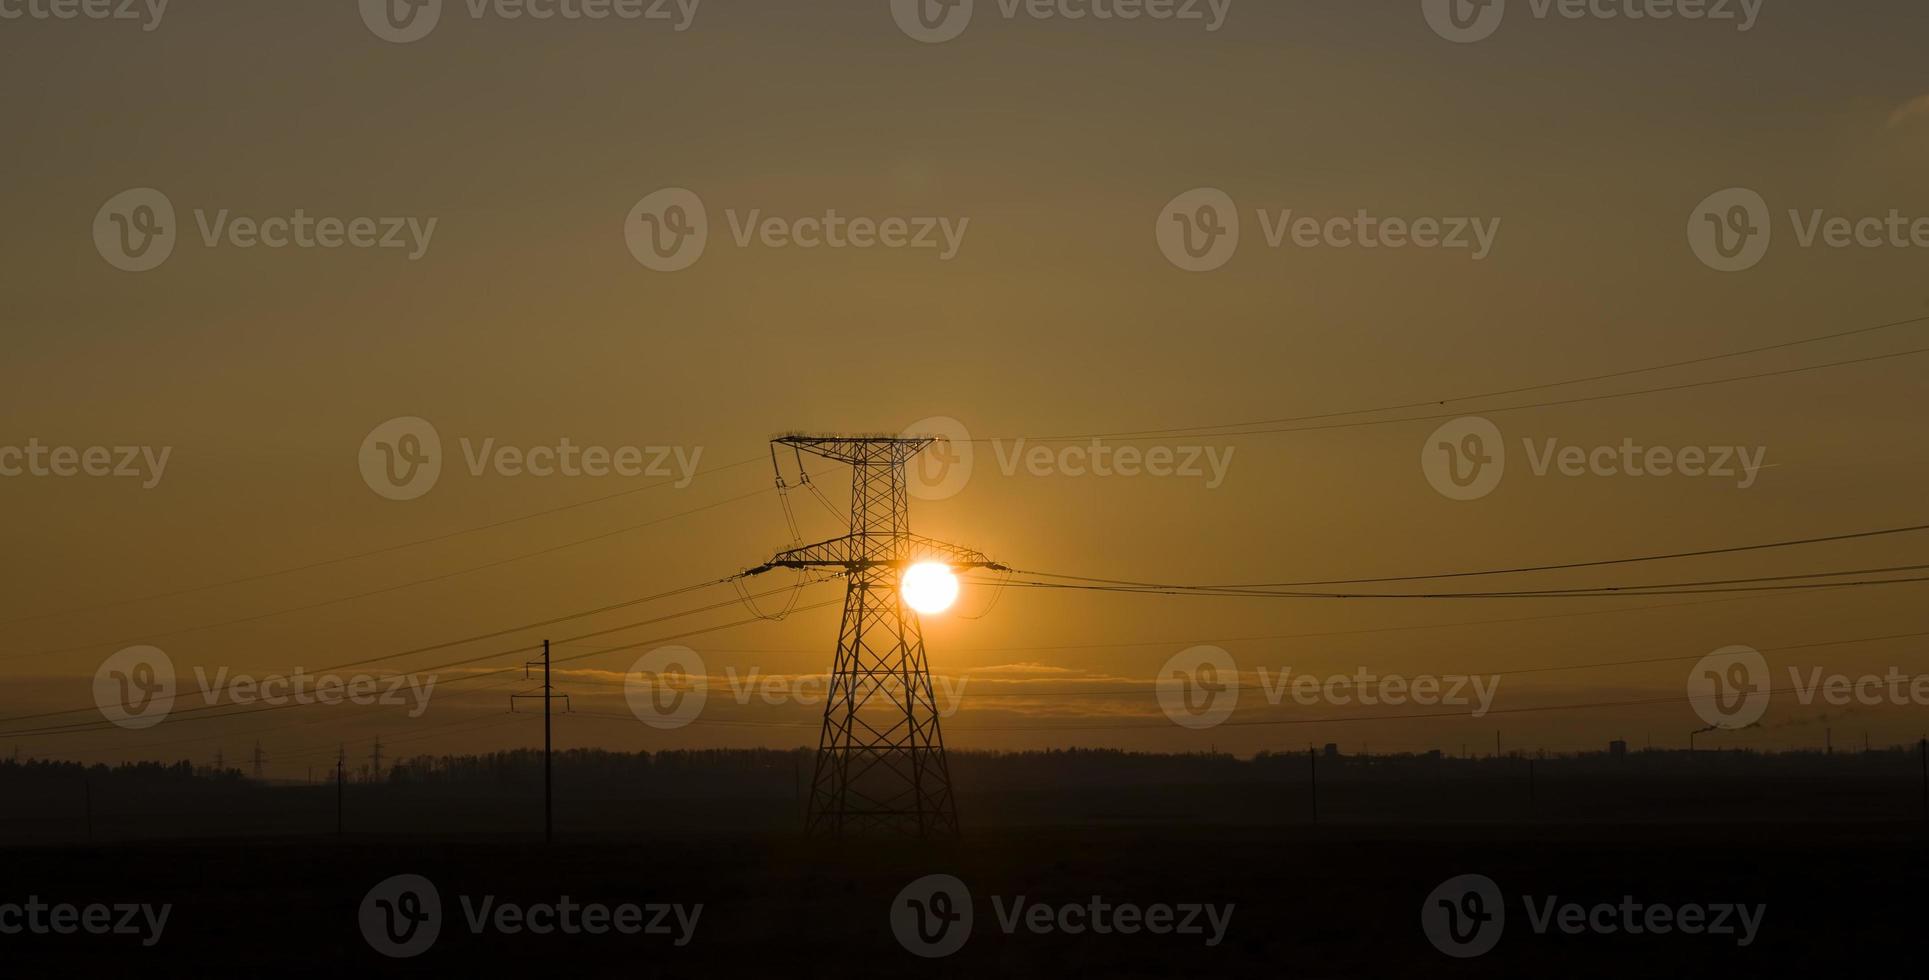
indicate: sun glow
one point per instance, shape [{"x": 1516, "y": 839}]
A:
[{"x": 929, "y": 587}]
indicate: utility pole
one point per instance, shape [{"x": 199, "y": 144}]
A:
[
  {"x": 375, "y": 760},
  {"x": 341, "y": 777},
  {"x": 1312, "y": 781},
  {"x": 258, "y": 759},
  {"x": 548, "y": 695},
  {"x": 881, "y": 766},
  {"x": 220, "y": 764}
]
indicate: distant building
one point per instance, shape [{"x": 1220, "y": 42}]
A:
[
  {"x": 1617, "y": 749},
  {"x": 1332, "y": 750}
]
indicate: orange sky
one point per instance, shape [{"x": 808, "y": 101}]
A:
[{"x": 1050, "y": 147}]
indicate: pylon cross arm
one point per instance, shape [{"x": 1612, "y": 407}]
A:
[{"x": 862, "y": 551}]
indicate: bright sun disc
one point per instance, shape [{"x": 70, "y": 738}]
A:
[{"x": 929, "y": 587}]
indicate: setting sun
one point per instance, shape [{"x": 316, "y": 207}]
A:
[{"x": 929, "y": 587}]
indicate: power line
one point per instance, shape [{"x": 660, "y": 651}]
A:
[
  {"x": 1522, "y": 389},
  {"x": 148, "y": 637},
  {"x": 1669, "y": 556},
  {"x": 387, "y": 549},
  {"x": 103, "y": 725},
  {"x": 1596, "y": 592},
  {"x": 493, "y": 634}
]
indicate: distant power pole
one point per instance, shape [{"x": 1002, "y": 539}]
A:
[
  {"x": 258, "y": 759},
  {"x": 1312, "y": 781},
  {"x": 375, "y": 760},
  {"x": 341, "y": 780},
  {"x": 548, "y": 696},
  {"x": 220, "y": 764}
]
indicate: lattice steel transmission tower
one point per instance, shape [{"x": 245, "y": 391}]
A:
[{"x": 880, "y": 756}]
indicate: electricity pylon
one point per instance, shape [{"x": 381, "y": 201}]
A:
[{"x": 880, "y": 755}]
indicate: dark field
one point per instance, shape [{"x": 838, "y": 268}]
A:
[
  {"x": 1342, "y": 902},
  {"x": 1830, "y": 849}
]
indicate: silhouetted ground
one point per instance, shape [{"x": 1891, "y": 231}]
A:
[
  {"x": 1830, "y": 848},
  {"x": 1307, "y": 902}
]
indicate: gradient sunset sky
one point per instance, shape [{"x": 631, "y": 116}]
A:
[{"x": 528, "y": 320}]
